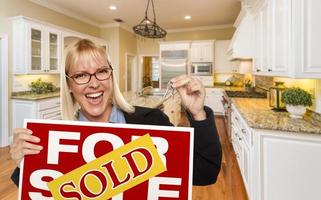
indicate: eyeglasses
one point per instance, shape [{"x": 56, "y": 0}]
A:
[{"x": 101, "y": 74}]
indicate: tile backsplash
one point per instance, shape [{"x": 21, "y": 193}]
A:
[
  {"x": 21, "y": 82},
  {"x": 311, "y": 85}
]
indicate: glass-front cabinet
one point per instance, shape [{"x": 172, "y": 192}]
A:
[
  {"x": 54, "y": 51},
  {"x": 36, "y": 47},
  {"x": 36, "y": 50}
]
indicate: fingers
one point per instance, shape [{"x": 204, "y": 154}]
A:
[
  {"x": 191, "y": 84},
  {"x": 23, "y": 144}
]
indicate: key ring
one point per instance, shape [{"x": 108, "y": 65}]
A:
[{"x": 170, "y": 92}]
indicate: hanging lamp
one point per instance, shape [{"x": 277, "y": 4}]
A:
[{"x": 148, "y": 28}]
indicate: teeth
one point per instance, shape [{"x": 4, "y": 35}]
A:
[{"x": 94, "y": 95}]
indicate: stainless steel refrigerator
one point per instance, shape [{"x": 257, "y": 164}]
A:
[{"x": 173, "y": 62}]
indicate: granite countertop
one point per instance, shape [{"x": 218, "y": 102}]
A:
[
  {"x": 144, "y": 101},
  {"x": 259, "y": 115},
  {"x": 32, "y": 96}
]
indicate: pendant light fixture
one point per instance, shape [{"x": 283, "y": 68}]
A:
[{"x": 148, "y": 28}]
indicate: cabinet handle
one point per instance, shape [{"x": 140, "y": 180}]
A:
[
  {"x": 236, "y": 118},
  {"x": 258, "y": 70},
  {"x": 269, "y": 70},
  {"x": 243, "y": 130}
]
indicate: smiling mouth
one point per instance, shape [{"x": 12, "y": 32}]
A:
[{"x": 94, "y": 96}]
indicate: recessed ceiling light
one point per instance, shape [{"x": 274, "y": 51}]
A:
[
  {"x": 187, "y": 17},
  {"x": 112, "y": 7}
]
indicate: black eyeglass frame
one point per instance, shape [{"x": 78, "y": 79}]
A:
[{"x": 110, "y": 68}]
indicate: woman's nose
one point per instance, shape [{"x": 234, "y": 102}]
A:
[{"x": 94, "y": 83}]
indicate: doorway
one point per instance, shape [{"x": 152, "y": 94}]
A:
[
  {"x": 150, "y": 71},
  {"x": 131, "y": 73},
  {"x": 4, "y": 123}
]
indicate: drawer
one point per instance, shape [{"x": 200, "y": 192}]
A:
[
  {"x": 48, "y": 103},
  {"x": 53, "y": 113},
  {"x": 241, "y": 126}
]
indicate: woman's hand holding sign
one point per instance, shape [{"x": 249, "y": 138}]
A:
[{"x": 22, "y": 144}]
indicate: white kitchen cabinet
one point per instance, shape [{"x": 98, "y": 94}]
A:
[
  {"x": 36, "y": 47},
  {"x": 306, "y": 32},
  {"x": 37, "y": 109},
  {"x": 213, "y": 99},
  {"x": 222, "y": 63},
  {"x": 202, "y": 51},
  {"x": 276, "y": 164},
  {"x": 241, "y": 137},
  {"x": 286, "y": 166},
  {"x": 287, "y": 38}
]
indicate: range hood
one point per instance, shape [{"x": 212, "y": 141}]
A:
[{"x": 242, "y": 43}]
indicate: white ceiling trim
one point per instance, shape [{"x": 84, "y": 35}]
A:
[
  {"x": 116, "y": 24},
  {"x": 64, "y": 11},
  {"x": 201, "y": 28}
]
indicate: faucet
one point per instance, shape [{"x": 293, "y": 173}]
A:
[{"x": 141, "y": 92}]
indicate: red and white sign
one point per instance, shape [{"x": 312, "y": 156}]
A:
[{"x": 70, "y": 144}]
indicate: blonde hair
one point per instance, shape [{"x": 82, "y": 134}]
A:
[{"x": 88, "y": 51}]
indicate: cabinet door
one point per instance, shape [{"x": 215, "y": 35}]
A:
[
  {"x": 196, "y": 52},
  {"x": 307, "y": 31},
  {"x": 207, "y": 52},
  {"x": 281, "y": 18},
  {"x": 257, "y": 62},
  {"x": 54, "y": 50},
  {"x": 36, "y": 38},
  {"x": 265, "y": 45},
  {"x": 246, "y": 172},
  {"x": 288, "y": 166}
]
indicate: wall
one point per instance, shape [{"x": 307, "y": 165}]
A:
[
  {"x": 127, "y": 44},
  {"x": 111, "y": 35},
  {"x": 151, "y": 47}
]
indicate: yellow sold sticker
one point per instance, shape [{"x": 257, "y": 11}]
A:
[{"x": 111, "y": 174}]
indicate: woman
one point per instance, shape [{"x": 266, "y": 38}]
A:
[{"x": 90, "y": 93}]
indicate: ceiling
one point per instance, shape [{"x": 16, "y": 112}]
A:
[{"x": 169, "y": 13}]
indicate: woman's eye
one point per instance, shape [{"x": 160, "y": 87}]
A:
[
  {"x": 103, "y": 71},
  {"x": 80, "y": 76}
]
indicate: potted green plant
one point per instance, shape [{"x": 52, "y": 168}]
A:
[{"x": 296, "y": 100}]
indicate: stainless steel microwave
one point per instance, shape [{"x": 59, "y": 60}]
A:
[{"x": 201, "y": 69}]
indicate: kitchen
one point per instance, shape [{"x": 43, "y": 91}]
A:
[{"x": 271, "y": 41}]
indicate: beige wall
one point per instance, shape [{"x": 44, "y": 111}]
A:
[
  {"x": 111, "y": 35},
  {"x": 120, "y": 42},
  {"x": 127, "y": 44},
  {"x": 151, "y": 47}
]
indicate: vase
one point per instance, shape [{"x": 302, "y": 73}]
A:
[{"x": 296, "y": 112}]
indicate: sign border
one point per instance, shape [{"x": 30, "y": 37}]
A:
[{"x": 116, "y": 125}]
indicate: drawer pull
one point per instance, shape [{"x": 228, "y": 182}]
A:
[{"x": 243, "y": 130}]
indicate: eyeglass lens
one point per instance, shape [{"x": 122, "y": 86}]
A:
[{"x": 100, "y": 74}]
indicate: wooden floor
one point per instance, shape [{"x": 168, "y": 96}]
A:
[{"x": 229, "y": 185}]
